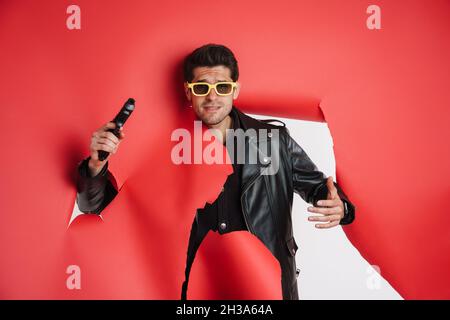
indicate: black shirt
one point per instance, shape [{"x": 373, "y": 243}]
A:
[{"x": 225, "y": 213}]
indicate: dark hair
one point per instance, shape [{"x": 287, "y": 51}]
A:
[{"x": 210, "y": 55}]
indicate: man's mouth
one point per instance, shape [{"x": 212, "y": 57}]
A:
[{"x": 211, "y": 108}]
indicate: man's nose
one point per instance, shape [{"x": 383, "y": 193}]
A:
[{"x": 212, "y": 95}]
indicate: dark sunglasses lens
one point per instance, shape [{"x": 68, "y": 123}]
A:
[
  {"x": 200, "y": 88},
  {"x": 224, "y": 88}
]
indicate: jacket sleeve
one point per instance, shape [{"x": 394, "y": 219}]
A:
[
  {"x": 94, "y": 193},
  {"x": 310, "y": 183}
]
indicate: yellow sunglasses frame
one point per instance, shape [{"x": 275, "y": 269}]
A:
[{"x": 190, "y": 85}]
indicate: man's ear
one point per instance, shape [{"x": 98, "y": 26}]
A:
[
  {"x": 236, "y": 90},
  {"x": 187, "y": 91}
]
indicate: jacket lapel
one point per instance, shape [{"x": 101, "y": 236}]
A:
[{"x": 250, "y": 172}]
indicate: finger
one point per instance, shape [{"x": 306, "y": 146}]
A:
[
  {"x": 108, "y": 125},
  {"x": 333, "y": 210},
  {"x": 107, "y": 142},
  {"x": 121, "y": 134},
  {"x": 332, "y": 191},
  {"x": 319, "y": 218},
  {"x": 104, "y": 147},
  {"x": 109, "y": 135},
  {"x": 328, "y": 218},
  {"x": 326, "y": 225},
  {"x": 328, "y": 203}
]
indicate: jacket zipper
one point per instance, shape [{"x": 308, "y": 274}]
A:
[{"x": 242, "y": 204}]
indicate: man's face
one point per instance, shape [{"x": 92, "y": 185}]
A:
[{"x": 212, "y": 109}]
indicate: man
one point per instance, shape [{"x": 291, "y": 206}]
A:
[{"x": 248, "y": 202}]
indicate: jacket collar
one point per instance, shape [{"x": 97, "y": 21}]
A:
[{"x": 247, "y": 122}]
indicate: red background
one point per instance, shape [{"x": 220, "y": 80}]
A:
[{"x": 384, "y": 94}]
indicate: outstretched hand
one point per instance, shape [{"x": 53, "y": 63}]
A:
[{"x": 330, "y": 211}]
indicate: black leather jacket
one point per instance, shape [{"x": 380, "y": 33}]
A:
[{"x": 266, "y": 199}]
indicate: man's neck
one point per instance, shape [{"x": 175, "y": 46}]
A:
[{"x": 225, "y": 124}]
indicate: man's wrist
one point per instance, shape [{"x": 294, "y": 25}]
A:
[{"x": 95, "y": 166}]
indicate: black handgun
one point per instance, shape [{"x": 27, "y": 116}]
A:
[{"x": 119, "y": 120}]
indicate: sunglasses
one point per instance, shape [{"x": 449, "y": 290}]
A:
[{"x": 201, "y": 89}]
